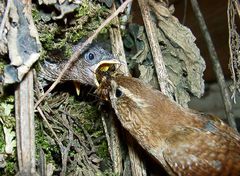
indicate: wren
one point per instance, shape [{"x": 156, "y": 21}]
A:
[{"x": 183, "y": 141}]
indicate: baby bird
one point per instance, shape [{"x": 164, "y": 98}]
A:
[
  {"x": 84, "y": 69},
  {"x": 183, "y": 141}
]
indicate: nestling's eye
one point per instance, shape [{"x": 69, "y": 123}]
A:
[
  {"x": 90, "y": 56},
  {"x": 118, "y": 93}
]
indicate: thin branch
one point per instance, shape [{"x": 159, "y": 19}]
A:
[
  {"x": 231, "y": 58},
  {"x": 216, "y": 65},
  {"x": 64, "y": 150},
  {"x": 5, "y": 16},
  {"x": 24, "y": 113},
  {"x": 124, "y": 19},
  {"x": 117, "y": 44},
  {"x": 107, "y": 135},
  {"x": 115, "y": 140},
  {"x": 233, "y": 13},
  {"x": 160, "y": 68},
  {"x": 76, "y": 54},
  {"x": 185, "y": 12},
  {"x": 50, "y": 128},
  {"x": 137, "y": 165},
  {"x": 87, "y": 135},
  {"x": 67, "y": 149},
  {"x": 237, "y": 6}
]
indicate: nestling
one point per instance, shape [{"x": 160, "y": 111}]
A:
[
  {"x": 183, "y": 141},
  {"x": 84, "y": 69}
]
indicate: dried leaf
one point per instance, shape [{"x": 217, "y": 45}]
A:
[
  {"x": 10, "y": 141},
  {"x": 23, "y": 43},
  {"x": 50, "y": 169},
  {"x": 182, "y": 58},
  {"x": 64, "y": 9},
  {"x": 7, "y": 108}
]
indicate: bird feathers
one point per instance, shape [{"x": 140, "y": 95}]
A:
[{"x": 184, "y": 141}]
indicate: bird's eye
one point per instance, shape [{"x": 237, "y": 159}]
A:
[
  {"x": 118, "y": 93},
  {"x": 90, "y": 56}
]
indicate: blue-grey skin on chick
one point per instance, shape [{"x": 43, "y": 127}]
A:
[{"x": 84, "y": 69}]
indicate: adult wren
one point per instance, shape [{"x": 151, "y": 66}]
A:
[{"x": 183, "y": 141}]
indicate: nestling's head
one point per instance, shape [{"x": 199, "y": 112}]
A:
[{"x": 93, "y": 59}]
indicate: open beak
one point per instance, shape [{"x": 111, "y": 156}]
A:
[
  {"x": 101, "y": 67},
  {"x": 104, "y": 66}
]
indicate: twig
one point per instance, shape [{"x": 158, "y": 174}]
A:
[
  {"x": 136, "y": 163},
  {"x": 160, "y": 68},
  {"x": 70, "y": 128},
  {"x": 231, "y": 18},
  {"x": 138, "y": 167},
  {"x": 25, "y": 130},
  {"x": 90, "y": 141},
  {"x": 107, "y": 134},
  {"x": 50, "y": 128},
  {"x": 78, "y": 52},
  {"x": 114, "y": 141},
  {"x": 42, "y": 163},
  {"x": 216, "y": 65},
  {"x": 237, "y": 6},
  {"x": 5, "y": 15},
  {"x": 125, "y": 17},
  {"x": 185, "y": 12},
  {"x": 117, "y": 44},
  {"x": 234, "y": 45},
  {"x": 66, "y": 151}
]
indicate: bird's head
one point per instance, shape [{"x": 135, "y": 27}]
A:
[
  {"x": 94, "y": 60},
  {"x": 129, "y": 96},
  {"x": 139, "y": 108},
  {"x": 91, "y": 63}
]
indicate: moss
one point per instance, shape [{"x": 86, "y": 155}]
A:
[
  {"x": 62, "y": 34},
  {"x": 43, "y": 143},
  {"x": 108, "y": 173},
  {"x": 7, "y": 121},
  {"x": 102, "y": 150},
  {"x": 82, "y": 114},
  {"x": 1, "y": 66},
  {"x": 84, "y": 10},
  {"x": 88, "y": 18},
  {"x": 90, "y": 119},
  {"x": 11, "y": 166},
  {"x": 68, "y": 51},
  {"x": 35, "y": 14},
  {"x": 3, "y": 62},
  {"x": 47, "y": 32},
  {"x": 6, "y": 111},
  {"x": 47, "y": 36},
  {"x": 2, "y": 141}
]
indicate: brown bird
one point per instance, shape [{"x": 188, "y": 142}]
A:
[
  {"x": 183, "y": 141},
  {"x": 84, "y": 69}
]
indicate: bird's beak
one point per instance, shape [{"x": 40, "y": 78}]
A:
[
  {"x": 103, "y": 66},
  {"x": 77, "y": 87}
]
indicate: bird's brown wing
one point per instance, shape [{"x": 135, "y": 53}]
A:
[
  {"x": 198, "y": 152},
  {"x": 218, "y": 124}
]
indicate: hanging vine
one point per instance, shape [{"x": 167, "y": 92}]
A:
[{"x": 233, "y": 13}]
